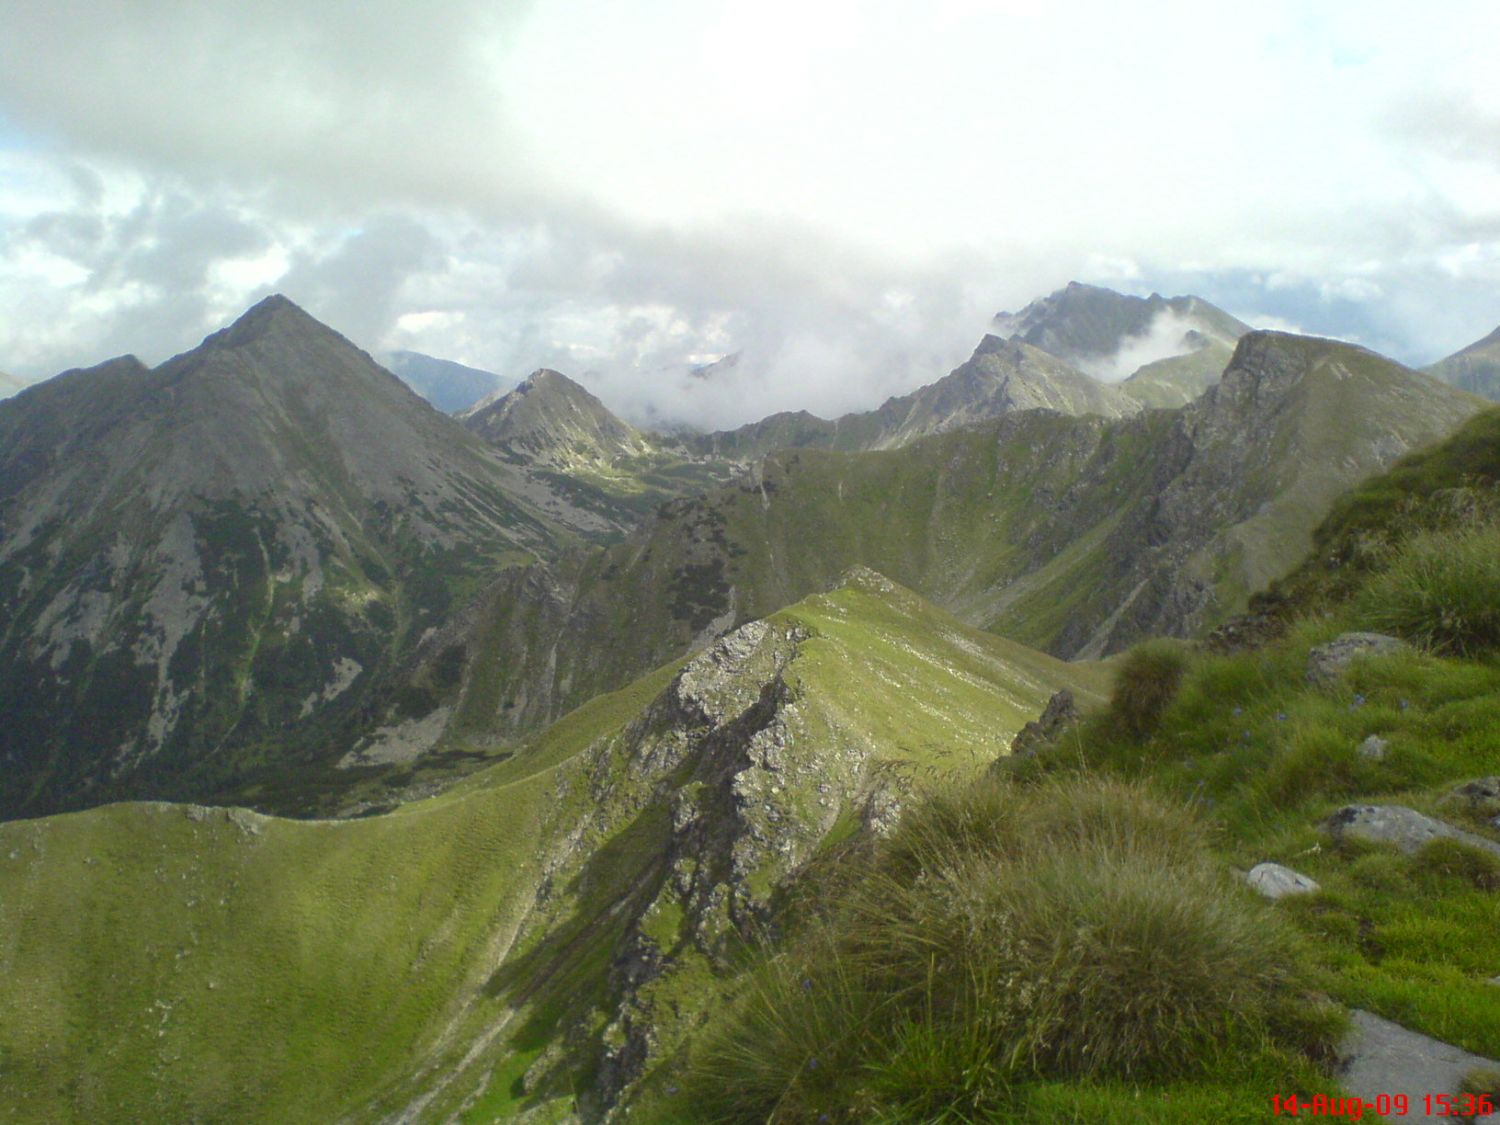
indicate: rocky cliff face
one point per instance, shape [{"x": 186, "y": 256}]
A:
[{"x": 210, "y": 564}]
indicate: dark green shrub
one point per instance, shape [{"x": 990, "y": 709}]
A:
[
  {"x": 1145, "y": 683},
  {"x": 1442, "y": 592}
]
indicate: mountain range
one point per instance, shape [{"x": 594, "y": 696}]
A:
[
  {"x": 267, "y": 551},
  {"x": 503, "y": 746},
  {"x": 1078, "y": 534}
]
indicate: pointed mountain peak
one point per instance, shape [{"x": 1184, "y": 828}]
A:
[
  {"x": 547, "y": 377},
  {"x": 272, "y": 314},
  {"x": 551, "y": 419}
]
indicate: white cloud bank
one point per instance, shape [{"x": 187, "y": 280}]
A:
[{"x": 845, "y": 192}]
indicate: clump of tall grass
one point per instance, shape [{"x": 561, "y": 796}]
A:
[
  {"x": 1145, "y": 683},
  {"x": 1442, "y": 591},
  {"x": 1076, "y": 929}
]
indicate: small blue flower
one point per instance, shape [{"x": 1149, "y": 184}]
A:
[
  {"x": 1403, "y": 704},
  {"x": 1359, "y": 701},
  {"x": 812, "y": 1064},
  {"x": 1244, "y": 736},
  {"x": 1238, "y": 711},
  {"x": 671, "y": 1091},
  {"x": 1281, "y": 716},
  {"x": 806, "y": 984}
]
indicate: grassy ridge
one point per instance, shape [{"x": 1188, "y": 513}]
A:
[{"x": 162, "y": 962}]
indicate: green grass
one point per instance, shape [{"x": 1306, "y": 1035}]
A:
[
  {"x": 1441, "y": 591},
  {"x": 1004, "y": 936}
]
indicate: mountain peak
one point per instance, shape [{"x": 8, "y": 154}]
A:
[
  {"x": 1110, "y": 335},
  {"x": 275, "y": 312},
  {"x": 552, "y": 419}
]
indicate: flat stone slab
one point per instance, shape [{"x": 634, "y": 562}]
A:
[
  {"x": 1399, "y": 825},
  {"x": 1385, "y": 1058}
]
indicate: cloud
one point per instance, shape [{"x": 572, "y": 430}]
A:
[
  {"x": 1164, "y": 338},
  {"x": 844, "y": 192}
]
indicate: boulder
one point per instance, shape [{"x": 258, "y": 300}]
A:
[
  {"x": 1275, "y": 881},
  {"x": 1406, "y": 828},
  {"x": 1059, "y": 714},
  {"x": 1326, "y": 664}
]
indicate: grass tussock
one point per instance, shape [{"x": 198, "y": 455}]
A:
[
  {"x": 1442, "y": 591},
  {"x": 1076, "y": 931},
  {"x": 1147, "y": 681}
]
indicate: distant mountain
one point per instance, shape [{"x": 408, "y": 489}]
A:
[
  {"x": 449, "y": 386},
  {"x": 724, "y": 365},
  {"x": 206, "y": 568},
  {"x": 1475, "y": 369},
  {"x": 1111, "y": 335},
  {"x": 1078, "y": 535},
  {"x": 551, "y": 420},
  {"x": 574, "y": 451},
  {"x": 1001, "y": 376}
]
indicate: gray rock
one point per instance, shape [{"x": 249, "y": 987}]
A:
[
  {"x": 1406, "y": 828},
  {"x": 1327, "y": 663},
  {"x": 1382, "y": 1057},
  {"x": 1482, "y": 795},
  {"x": 1275, "y": 881},
  {"x": 1373, "y": 748},
  {"x": 1060, "y": 714}
]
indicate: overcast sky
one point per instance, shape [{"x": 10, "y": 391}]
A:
[{"x": 845, "y": 192}]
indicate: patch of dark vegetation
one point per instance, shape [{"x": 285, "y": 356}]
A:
[
  {"x": 1145, "y": 683},
  {"x": 699, "y": 592}
]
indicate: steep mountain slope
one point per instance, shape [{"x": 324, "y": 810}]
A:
[
  {"x": 449, "y": 386},
  {"x": 1075, "y": 535},
  {"x": 1002, "y": 376},
  {"x": 542, "y": 931},
  {"x": 1475, "y": 368},
  {"x": 205, "y": 568},
  {"x": 1091, "y": 327}
]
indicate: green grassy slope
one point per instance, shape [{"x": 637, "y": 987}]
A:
[
  {"x": 162, "y": 962},
  {"x": 1451, "y": 483},
  {"x": 1169, "y": 383}
]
